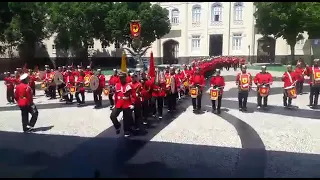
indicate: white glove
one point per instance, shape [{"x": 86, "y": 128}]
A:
[{"x": 131, "y": 106}]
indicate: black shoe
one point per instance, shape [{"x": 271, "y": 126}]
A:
[
  {"x": 218, "y": 111},
  {"x": 240, "y": 109},
  {"x": 118, "y": 131},
  {"x": 28, "y": 130},
  {"x": 245, "y": 109},
  {"x": 126, "y": 134}
]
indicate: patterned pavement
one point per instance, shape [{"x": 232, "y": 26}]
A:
[{"x": 81, "y": 142}]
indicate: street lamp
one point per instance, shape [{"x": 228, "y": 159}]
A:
[{"x": 249, "y": 58}]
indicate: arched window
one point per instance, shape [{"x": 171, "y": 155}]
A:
[
  {"x": 196, "y": 14},
  {"x": 238, "y": 10},
  {"x": 175, "y": 16},
  {"x": 216, "y": 12}
]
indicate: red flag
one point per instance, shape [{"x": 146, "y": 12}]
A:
[{"x": 151, "y": 72}]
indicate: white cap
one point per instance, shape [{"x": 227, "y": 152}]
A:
[
  {"x": 23, "y": 76},
  {"x": 263, "y": 67}
]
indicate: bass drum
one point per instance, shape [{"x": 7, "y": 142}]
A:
[{"x": 94, "y": 83}]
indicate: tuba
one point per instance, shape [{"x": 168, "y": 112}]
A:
[
  {"x": 157, "y": 78},
  {"x": 172, "y": 84}
]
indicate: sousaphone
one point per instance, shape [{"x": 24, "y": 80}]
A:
[
  {"x": 94, "y": 83},
  {"x": 58, "y": 78}
]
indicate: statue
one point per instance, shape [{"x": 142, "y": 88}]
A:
[{"x": 136, "y": 51}]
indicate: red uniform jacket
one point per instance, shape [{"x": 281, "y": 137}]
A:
[
  {"x": 128, "y": 79},
  {"x": 75, "y": 73},
  {"x": 289, "y": 78},
  {"x": 263, "y": 78},
  {"x": 300, "y": 73},
  {"x": 309, "y": 72},
  {"x": 158, "y": 90},
  {"x": 218, "y": 81},
  {"x": 32, "y": 80},
  {"x": 114, "y": 79},
  {"x": 70, "y": 81},
  {"x": 9, "y": 82},
  {"x": 146, "y": 87},
  {"x": 23, "y": 95},
  {"x": 137, "y": 87},
  {"x": 102, "y": 81},
  {"x": 87, "y": 72},
  {"x": 197, "y": 79},
  {"x": 124, "y": 96},
  {"x": 238, "y": 78},
  {"x": 16, "y": 80},
  {"x": 79, "y": 81}
]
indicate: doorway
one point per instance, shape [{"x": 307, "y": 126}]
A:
[{"x": 215, "y": 44}]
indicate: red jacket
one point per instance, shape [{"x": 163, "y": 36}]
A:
[
  {"x": 263, "y": 78},
  {"x": 23, "y": 95},
  {"x": 158, "y": 90},
  {"x": 198, "y": 79},
  {"x": 87, "y": 72},
  {"x": 114, "y": 79},
  {"x": 75, "y": 73},
  {"x": 300, "y": 73},
  {"x": 102, "y": 81},
  {"x": 128, "y": 79},
  {"x": 137, "y": 87},
  {"x": 218, "y": 81},
  {"x": 124, "y": 95},
  {"x": 289, "y": 78},
  {"x": 146, "y": 87},
  {"x": 16, "y": 80},
  {"x": 310, "y": 72},
  {"x": 32, "y": 80},
  {"x": 70, "y": 81},
  {"x": 79, "y": 81},
  {"x": 241, "y": 77},
  {"x": 9, "y": 82}
]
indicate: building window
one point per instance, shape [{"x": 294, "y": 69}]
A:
[
  {"x": 195, "y": 43},
  {"x": 196, "y": 14},
  {"x": 53, "y": 48},
  {"x": 216, "y": 12},
  {"x": 176, "y": 51},
  {"x": 236, "y": 41},
  {"x": 175, "y": 16},
  {"x": 90, "y": 46},
  {"x": 238, "y": 10}
]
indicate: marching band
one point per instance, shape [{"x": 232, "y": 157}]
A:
[{"x": 140, "y": 95}]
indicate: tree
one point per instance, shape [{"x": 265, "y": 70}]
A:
[
  {"x": 77, "y": 24},
  {"x": 154, "y": 21},
  {"x": 5, "y": 19},
  {"x": 282, "y": 19},
  {"x": 312, "y": 25},
  {"x": 27, "y": 27}
]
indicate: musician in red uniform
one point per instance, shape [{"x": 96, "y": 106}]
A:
[
  {"x": 88, "y": 71},
  {"x": 97, "y": 94},
  {"x": 146, "y": 96},
  {"x": 242, "y": 61},
  {"x": 80, "y": 88},
  {"x": 23, "y": 96},
  {"x": 128, "y": 78},
  {"x": 9, "y": 82},
  {"x": 263, "y": 78},
  {"x": 314, "y": 73},
  {"x": 235, "y": 63},
  {"x": 158, "y": 87},
  {"x": 32, "y": 82},
  {"x": 124, "y": 100},
  {"x": 197, "y": 80},
  {"x": 70, "y": 82},
  {"x": 137, "y": 88},
  {"x": 114, "y": 79},
  {"x": 217, "y": 81},
  {"x": 300, "y": 72},
  {"x": 289, "y": 78},
  {"x": 16, "y": 78},
  {"x": 244, "y": 83}
]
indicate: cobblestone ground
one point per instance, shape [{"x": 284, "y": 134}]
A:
[{"x": 77, "y": 142}]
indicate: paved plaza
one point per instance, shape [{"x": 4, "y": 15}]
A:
[{"x": 80, "y": 141}]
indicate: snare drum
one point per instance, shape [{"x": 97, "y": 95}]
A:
[
  {"x": 214, "y": 94},
  {"x": 264, "y": 91},
  {"x": 194, "y": 92},
  {"x": 291, "y": 92},
  {"x": 72, "y": 90}
]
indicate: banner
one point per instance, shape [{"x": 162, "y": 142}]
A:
[{"x": 135, "y": 29}]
